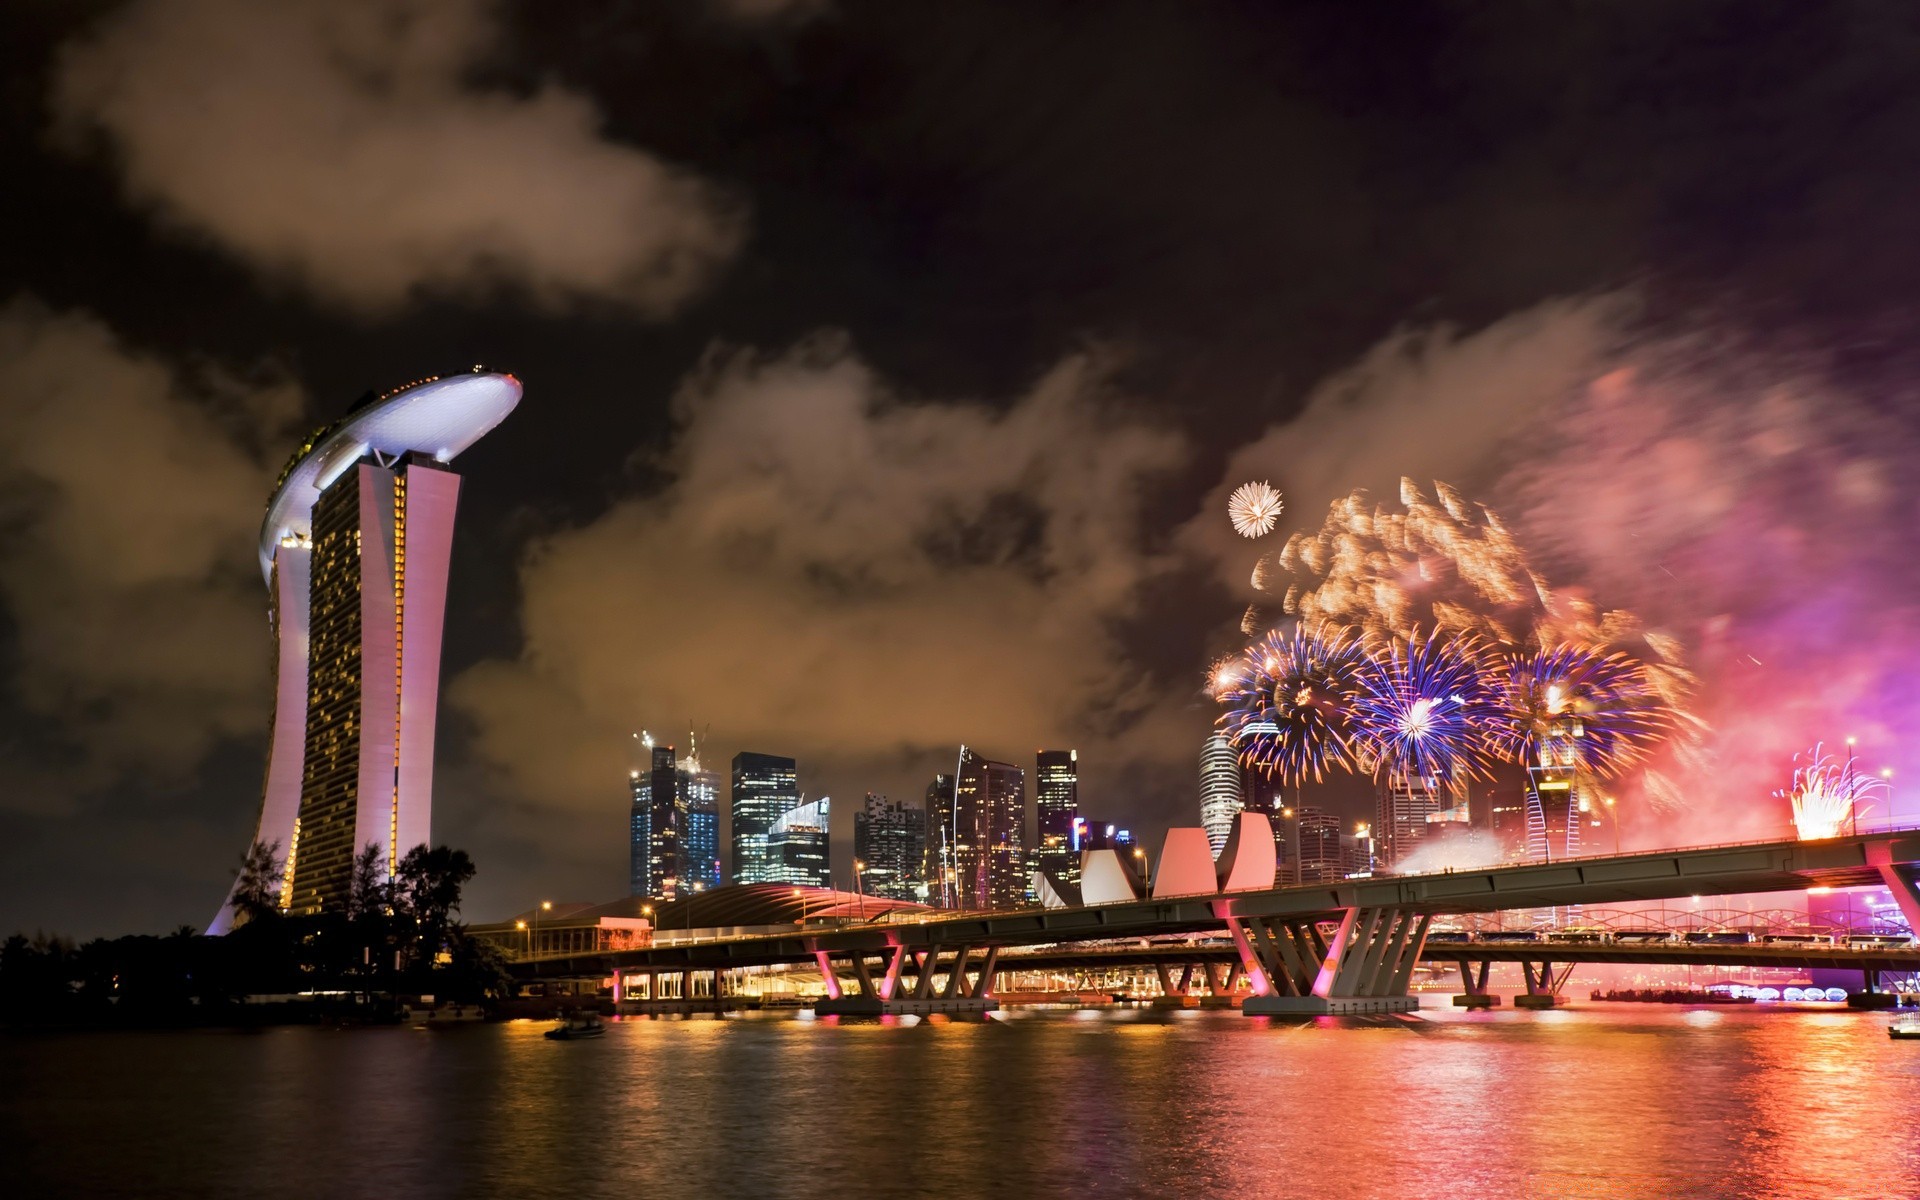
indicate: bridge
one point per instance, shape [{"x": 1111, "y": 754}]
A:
[{"x": 1350, "y": 947}]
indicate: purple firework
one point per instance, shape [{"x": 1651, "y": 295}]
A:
[
  {"x": 1424, "y": 710},
  {"x": 1288, "y": 699},
  {"x": 1579, "y": 707}
]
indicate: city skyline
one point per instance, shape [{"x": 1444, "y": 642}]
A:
[{"x": 861, "y": 494}]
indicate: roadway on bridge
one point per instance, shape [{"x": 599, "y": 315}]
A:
[{"x": 1741, "y": 869}]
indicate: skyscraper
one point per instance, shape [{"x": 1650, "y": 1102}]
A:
[
  {"x": 889, "y": 839},
  {"x": 799, "y": 843},
  {"x": 654, "y": 857},
  {"x": 1056, "y": 789},
  {"x": 702, "y": 789},
  {"x": 355, "y": 551},
  {"x": 1220, "y": 796},
  {"x": 764, "y": 787},
  {"x": 989, "y": 819},
  {"x": 937, "y": 859},
  {"x": 1400, "y": 825},
  {"x": 1320, "y": 860}
]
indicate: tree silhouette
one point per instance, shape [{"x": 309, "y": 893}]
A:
[{"x": 256, "y": 893}]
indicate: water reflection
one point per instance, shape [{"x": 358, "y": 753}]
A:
[{"x": 1609, "y": 1101}]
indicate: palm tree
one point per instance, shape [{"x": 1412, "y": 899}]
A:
[{"x": 256, "y": 895}]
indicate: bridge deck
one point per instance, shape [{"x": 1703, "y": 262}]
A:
[{"x": 1742, "y": 869}]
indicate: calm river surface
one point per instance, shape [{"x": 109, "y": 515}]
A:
[{"x": 1602, "y": 1101}]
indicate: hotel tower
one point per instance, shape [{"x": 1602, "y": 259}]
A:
[{"x": 355, "y": 551}]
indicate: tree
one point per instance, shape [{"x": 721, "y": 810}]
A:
[
  {"x": 426, "y": 890},
  {"x": 367, "y": 895},
  {"x": 256, "y": 892}
]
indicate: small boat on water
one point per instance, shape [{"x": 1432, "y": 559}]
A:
[
  {"x": 586, "y": 1025},
  {"x": 1905, "y": 1027}
]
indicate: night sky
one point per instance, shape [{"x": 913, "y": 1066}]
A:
[{"x": 887, "y": 366}]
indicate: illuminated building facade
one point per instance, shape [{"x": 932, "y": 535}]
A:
[
  {"x": 355, "y": 551},
  {"x": 799, "y": 840},
  {"x": 1405, "y": 803},
  {"x": 937, "y": 867},
  {"x": 764, "y": 787},
  {"x": 1321, "y": 859},
  {"x": 989, "y": 820},
  {"x": 889, "y": 840},
  {"x": 1559, "y": 802},
  {"x": 1220, "y": 795},
  {"x": 702, "y": 843},
  {"x": 1056, "y": 791},
  {"x": 653, "y": 859}
]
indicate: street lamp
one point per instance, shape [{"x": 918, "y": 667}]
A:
[
  {"x": 1613, "y": 816},
  {"x": 522, "y": 927},
  {"x": 859, "y": 885},
  {"x": 533, "y": 939},
  {"x": 1146, "y": 880},
  {"x": 801, "y": 895}
]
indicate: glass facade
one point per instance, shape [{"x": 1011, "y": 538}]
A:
[
  {"x": 889, "y": 837},
  {"x": 1056, "y": 790},
  {"x": 1220, "y": 795},
  {"x": 989, "y": 819},
  {"x": 330, "y": 781},
  {"x": 936, "y": 860},
  {"x": 799, "y": 843},
  {"x": 765, "y": 786}
]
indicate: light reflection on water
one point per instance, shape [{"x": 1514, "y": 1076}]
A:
[{"x": 1609, "y": 1101}]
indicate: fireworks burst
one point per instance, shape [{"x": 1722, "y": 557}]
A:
[
  {"x": 1424, "y": 708},
  {"x": 1287, "y": 700},
  {"x": 1254, "y": 509},
  {"x": 1579, "y": 707},
  {"x": 1827, "y": 794},
  {"x": 1447, "y": 563}
]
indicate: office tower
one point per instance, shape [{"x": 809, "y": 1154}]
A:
[
  {"x": 1220, "y": 795},
  {"x": 1400, "y": 820},
  {"x": 355, "y": 551},
  {"x": 798, "y": 843},
  {"x": 1056, "y": 789},
  {"x": 1262, "y": 795},
  {"x": 764, "y": 787},
  {"x": 702, "y": 790},
  {"x": 639, "y": 832},
  {"x": 1356, "y": 853},
  {"x": 1320, "y": 860},
  {"x": 937, "y": 858},
  {"x": 656, "y": 825},
  {"x": 989, "y": 818},
  {"x": 1558, "y": 803},
  {"x": 889, "y": 840}
]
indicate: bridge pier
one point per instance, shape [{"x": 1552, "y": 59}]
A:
[
  {"x": 1474, "y": 982},
  {"x": 1544, "y": 985},
  {"x": 1364, "y": 969},
  {"x": 881, "y": 989}
]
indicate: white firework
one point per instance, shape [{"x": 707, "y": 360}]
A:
[{"x": 1254, "y": 509}]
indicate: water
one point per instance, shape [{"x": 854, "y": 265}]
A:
[{"x": 1608, "y": 1101}]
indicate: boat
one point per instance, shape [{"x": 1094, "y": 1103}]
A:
[
  {"x": 443, "y": 1016},
  {"x": 586, "y": 1025},
  {"x": 1906, "y": 1027}
]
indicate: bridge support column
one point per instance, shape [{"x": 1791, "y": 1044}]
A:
[
  {"x": 1474, "y": 983},
  {"x": 1543, "y": 985},
  {"x": 888, "y": 994},
  {"x": 1365, "y": 969}
]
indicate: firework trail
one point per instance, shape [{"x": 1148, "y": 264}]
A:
[
  {"x": 1288, "y": 701},
  {"x": 1578, "y": 707},
  {"x": 1424, "y": 707},
  {"x": 1451, "y": 565},
  {"x": 1254, "y": 508},
  {"x": 1827, "y": 794}
]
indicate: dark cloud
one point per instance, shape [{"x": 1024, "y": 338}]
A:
[
  {"x": 343, "y": 148},
  {"x": 132, "y": 491},
  {"x": 836, "y": 572}
]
